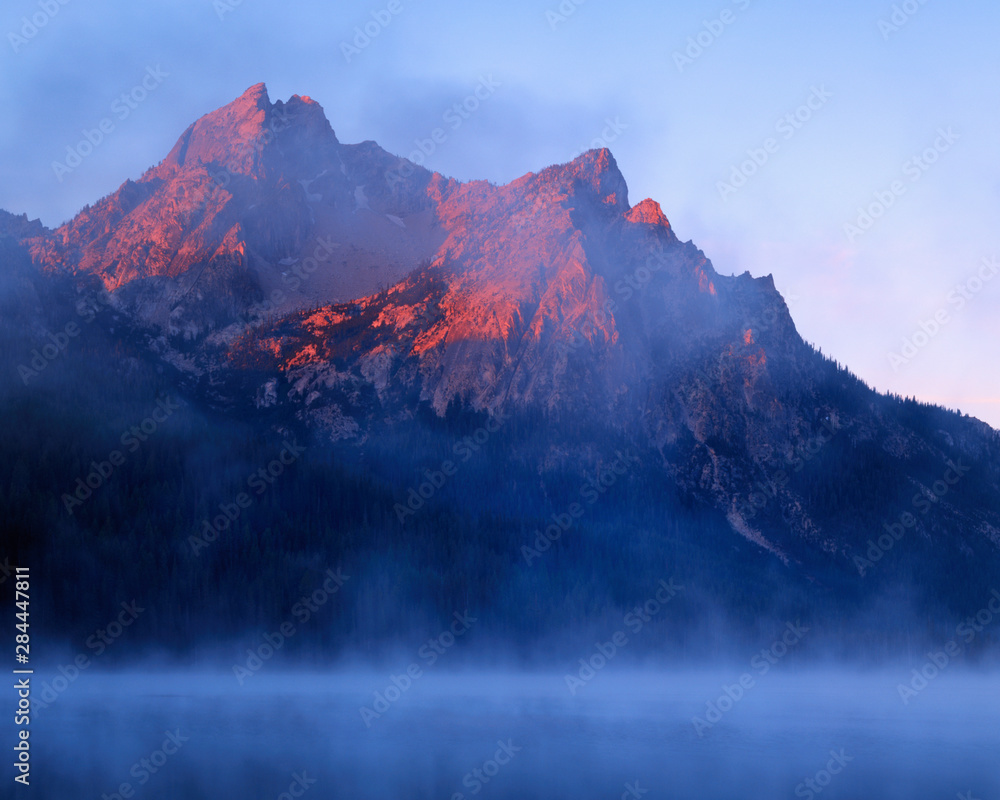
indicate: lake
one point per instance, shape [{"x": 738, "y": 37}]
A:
[{"x": 823, "y": 734}]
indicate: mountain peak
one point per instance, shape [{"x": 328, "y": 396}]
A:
[
  {"x": 227, "y": 135},
  {"x": 648, "y": 212},
  {"x": 255, "y": 93},
  {"x": 600, "y": 159},
  {"x": 598, "y": 170},
  {"x": 238, "y": 136},
  {"x": 19, "y": 227}
]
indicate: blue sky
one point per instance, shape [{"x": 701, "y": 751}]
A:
[{"x": 916, "y": 104}]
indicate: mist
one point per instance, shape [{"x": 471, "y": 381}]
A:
[{"x": 520, "y": 734}]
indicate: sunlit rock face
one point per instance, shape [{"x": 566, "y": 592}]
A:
[
  {"x": 249, "y": 192},
  {"x": 286, "y": 272}
]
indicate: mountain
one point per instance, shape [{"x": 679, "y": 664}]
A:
[
  {"x": 247, "y": 191},
  {"x": 291, "y": 282}
]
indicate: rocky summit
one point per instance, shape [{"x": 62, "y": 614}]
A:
[{"x": 288, "y": 279}]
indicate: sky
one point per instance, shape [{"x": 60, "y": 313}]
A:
[{"x": 850, "y": 149}]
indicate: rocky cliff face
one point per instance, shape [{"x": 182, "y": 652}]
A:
[
  {"x": 248, "y": 193},
  {"x": 338, "y": 284}
]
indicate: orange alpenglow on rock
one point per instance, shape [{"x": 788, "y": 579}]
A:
[{"x": 649, "y": 212}]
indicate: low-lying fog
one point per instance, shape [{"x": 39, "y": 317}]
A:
[{"x": 731, "y": 734}]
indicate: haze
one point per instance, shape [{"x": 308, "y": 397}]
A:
[{"x": 883, "y": 93}]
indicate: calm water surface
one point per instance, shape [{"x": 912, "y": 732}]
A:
[{"x": 518, "y": 736}]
